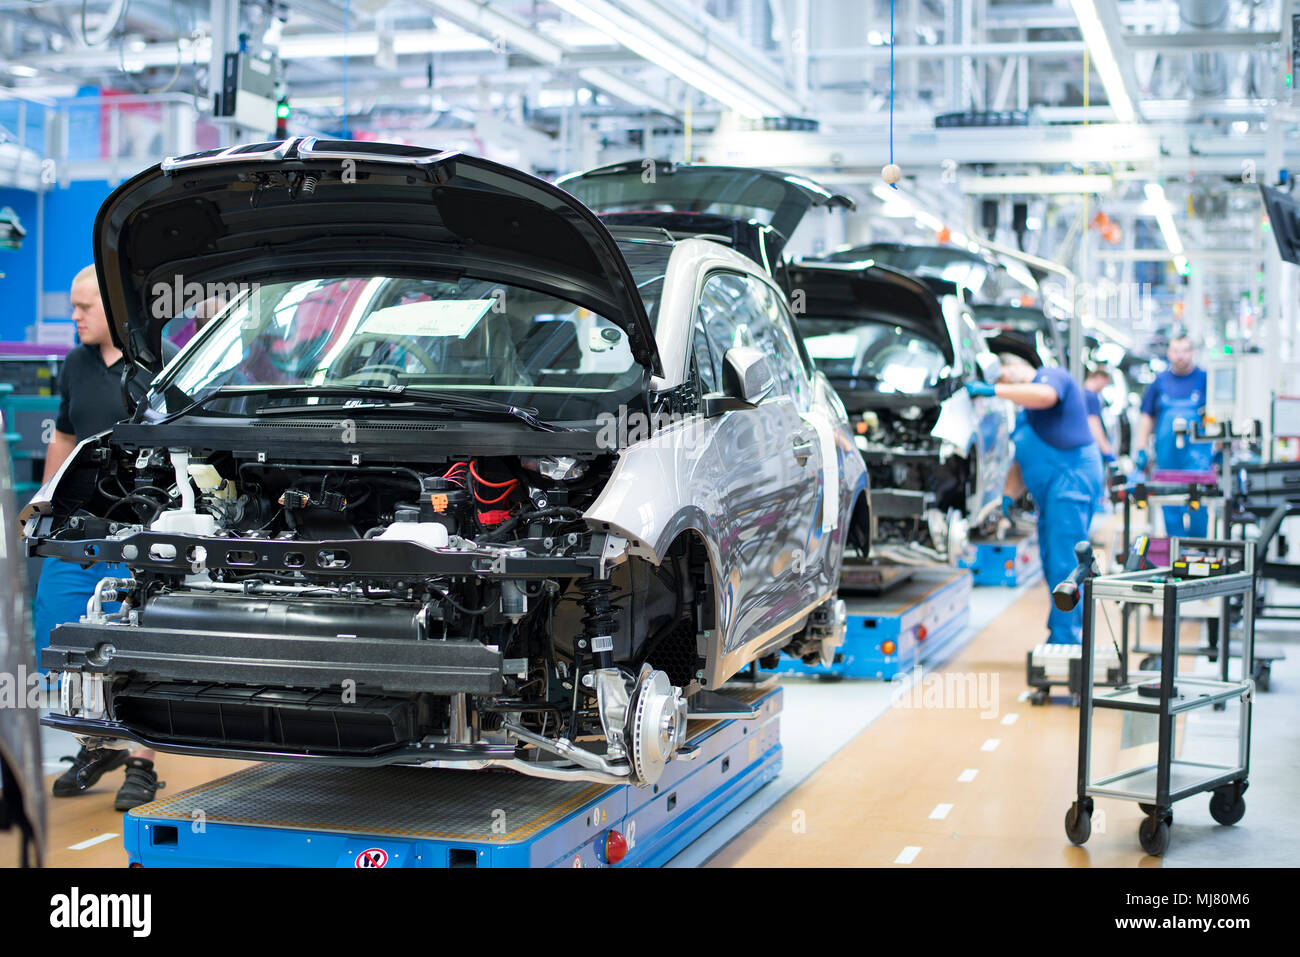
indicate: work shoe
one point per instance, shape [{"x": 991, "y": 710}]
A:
[
  {"x": 140, "y": 785},
  {"x": 88, "y": 766}
]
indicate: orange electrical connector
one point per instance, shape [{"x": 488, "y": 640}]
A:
[{"x": 439, "y": 501}]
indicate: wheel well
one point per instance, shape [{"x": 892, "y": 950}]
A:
[
  {"x": 673, "y": 648},
  {"x": 859, "y": 534}
]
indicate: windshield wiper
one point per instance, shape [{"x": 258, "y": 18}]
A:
[{"x": 447, "y": 401}]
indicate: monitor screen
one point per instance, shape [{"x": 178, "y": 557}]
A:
[{"x": 1284, "y": 219}]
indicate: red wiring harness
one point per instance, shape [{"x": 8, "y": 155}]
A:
[{"x": 491, "y": 516}]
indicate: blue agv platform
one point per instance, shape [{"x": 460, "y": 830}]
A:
[
  {"x": 1010, "y": 563},
  {"x": 914, "y": 622},
  {"x": 297, "y": 815}
]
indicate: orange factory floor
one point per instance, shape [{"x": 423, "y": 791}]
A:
[{"x": 925, "y": 783}]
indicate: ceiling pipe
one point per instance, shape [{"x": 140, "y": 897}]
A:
[{"x": 1208, "y": 72}]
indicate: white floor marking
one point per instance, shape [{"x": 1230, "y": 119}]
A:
[
  {"x": 91, "y": 842},
  {"x": 907, "y": 855},
  {"x": 1010, "y": 718},
  {"x": 1024, "y": 696},
  {"x": 968, "y": 775},
  {"x": 940, "y": 812},
  {"x": 991, "y": 744}
]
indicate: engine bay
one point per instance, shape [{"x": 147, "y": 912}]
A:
[{"x": 512, "y": 618}]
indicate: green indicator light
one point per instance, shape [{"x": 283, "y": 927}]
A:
[{"x": 282, "y": 111}]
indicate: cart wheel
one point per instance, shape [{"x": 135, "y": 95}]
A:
[
  {"x": 1223, "y": 810},
  {"x": 1153, "y": 835},
  {"x": 1150, "y": 809},
  {"x": 1078, "y": 824},
  {"x": 1261, "y": 682},
  {"x": 1149, "y": 663},
  {"x": 1039, "y": 697}
]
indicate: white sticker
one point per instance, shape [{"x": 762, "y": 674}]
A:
[
  {"x": 830, "y": 468},
  {"x": 444, "y": 318}
]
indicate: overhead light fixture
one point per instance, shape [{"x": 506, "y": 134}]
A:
[
  {"x": 17, "y": 69},
  {"x": 1165, "y": 220},
  {"x": 1036, "y": 185},
  {"x": 653, "y": 47},
  {"x": 1103, "y": 58}
]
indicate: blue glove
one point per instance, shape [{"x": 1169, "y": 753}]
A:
[
  {"x": 1007, "y": 503},
  {"x": 977, "y": 389},
  {"x": 1140, "y": 460}
]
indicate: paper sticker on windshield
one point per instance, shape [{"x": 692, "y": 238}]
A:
[{"x": 444, "y": 318}]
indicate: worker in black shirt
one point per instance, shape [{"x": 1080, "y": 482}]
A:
[{"x": 90, "y": 402}]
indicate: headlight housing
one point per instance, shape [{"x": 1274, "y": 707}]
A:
[{"x": 557, "y": 468}]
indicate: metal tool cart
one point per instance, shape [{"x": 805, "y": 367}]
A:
[
  {"x": 1147, "y": 495},
  {"x": 1199, "y": 569}
]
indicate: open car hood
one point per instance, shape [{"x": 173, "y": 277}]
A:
[
  {"x": 690, "y": 199},
  {"x": 949, "y": 262},
  {"x": 305, "y": 207},
  {"x": 870, "y": 292}
]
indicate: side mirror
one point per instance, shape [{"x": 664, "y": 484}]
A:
[
  {"x": 747, "y": 378},
  {"x": 990, "y": 367},
  {"x": 747, "y": 374}
]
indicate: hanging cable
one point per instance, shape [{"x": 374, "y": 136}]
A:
[{"x": 347, "y": 6}]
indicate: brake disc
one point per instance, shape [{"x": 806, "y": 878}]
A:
[{"x": 658, "y": 725}]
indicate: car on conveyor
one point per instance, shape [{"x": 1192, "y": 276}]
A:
[
  {"x": 456, "y": 475},
  {"x": 899, "y": 350}
]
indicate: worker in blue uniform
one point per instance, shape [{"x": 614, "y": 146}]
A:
[
  {"x": 1172, "y": 403},
  {"x": 1060, "y": 466}
]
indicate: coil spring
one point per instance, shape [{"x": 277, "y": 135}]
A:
[
  {"x": 599, "y": 617},
  {"x": 309, "y": 184}
]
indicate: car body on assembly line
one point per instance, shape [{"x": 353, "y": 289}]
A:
[
  {"x": 899, "y": 349},
  {"x": 456, "y": 476}
]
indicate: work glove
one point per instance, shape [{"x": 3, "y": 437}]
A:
[
  {"x": 977, "y": 389},
  {"x": 1007, "y": 504},
  {"x": 1140, "y": 460}
]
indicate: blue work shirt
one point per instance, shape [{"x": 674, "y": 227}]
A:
[
  {"x": 1065, "y": 425},
  {"x": 1092, "y": 401},
  {"x": 1190, "y": 387}
]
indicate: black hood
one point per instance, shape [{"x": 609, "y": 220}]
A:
[
  {"x": 867, "y": 292},
  {"x": 688, "y": 198},
  {"x": 305, "y": 208}
]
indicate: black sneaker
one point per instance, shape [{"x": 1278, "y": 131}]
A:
[
  {"x": 140, "y": 785},
  {"x": 88, "y": 766}
]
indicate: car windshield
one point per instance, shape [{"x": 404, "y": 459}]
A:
[
  {"x": 484, "y": 339},
  {"x": 874, "y": 356}
]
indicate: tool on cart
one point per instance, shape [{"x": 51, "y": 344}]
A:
[
  {"x": 1066, "y": 594},
  {"x": 1155, "y": 786},
  {"x": 1060, "y": 664}
]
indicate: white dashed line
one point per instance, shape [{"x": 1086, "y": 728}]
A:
[
  {"x": 91, "y": 842},
  {"x": 968, "y": 775},
  {"x": 991, "y": 744},
  {"x": 907, "y": 855},
  {"x": 1024, "y": 696},
  {"x": 1010, "y": 718},
  {"x": 940, "y": 812}
]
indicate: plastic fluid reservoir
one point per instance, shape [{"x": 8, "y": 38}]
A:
[{"x": 428, "y": 534}]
